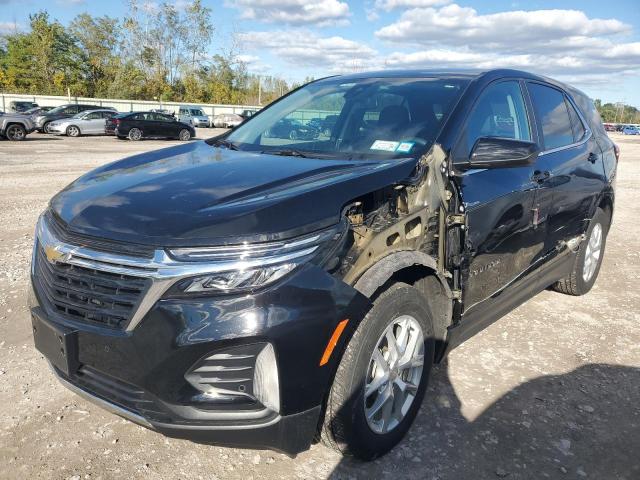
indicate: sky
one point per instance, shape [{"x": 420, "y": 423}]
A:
[{"x": 592, "y": 44}]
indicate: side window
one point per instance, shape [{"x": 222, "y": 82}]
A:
[
  {"x": 500, "y": 112},
  {"x": 71, "y": 109},
  {"x": 552, "y": 115},
  {"x": 93, "y": 116},
  {"x": 108, "y": 114},
  {"x": 576, "y": 123}
]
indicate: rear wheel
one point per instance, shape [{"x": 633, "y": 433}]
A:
[
  {"x": 15, "y": 132},
  {"x": 382, "y": 377},
  {"x": 589, "y": 258},
  {"x": 293, "y": 135},
  {"x": 185, "y": 135},
  {"x": 73, "y": 131},
  {"x": 135, "y": 134}
]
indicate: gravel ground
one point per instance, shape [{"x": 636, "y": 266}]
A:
[{"x": 550, "y": 391}]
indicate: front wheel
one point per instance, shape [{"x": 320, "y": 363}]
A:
[
  {"x": 135, "y": 134},
  {"x": 45, "y": 127},
  {"x": 587, "y": 264},
  {"x": 73, "y": 131},
  {"x": 16, "y": 133},
  {"x": 185, "y": 135},
  {"x": 382, "y": 377}
]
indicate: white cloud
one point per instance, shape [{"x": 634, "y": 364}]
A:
[
  {"x": 305, "y": 49},
  {"x": 7, "y": 28},
  {"x": 456, "y": 25},
  {"x": 389, "y": 5},
  {"x": 299, "y": 12}
]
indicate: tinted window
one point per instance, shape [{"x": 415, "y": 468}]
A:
[
  {"x": 378, "y": 117},
  {"x": 576, "y": 123},
  {"x": 500, "y": 112},
  {"x": 71, "y": 109},
  {"x": 158, "y": 117},
  {"x": 552, "y": 115}
]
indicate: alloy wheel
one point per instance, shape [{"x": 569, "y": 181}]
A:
[
  {"x": 185, "y": 135},
  {"x": 394, "y": 374},
  {"x": 16, "y": 133},
  {"x": 135, "y": 134},
  {"x": 592, "y": 253},
  {"x": 73, "y": 131}
]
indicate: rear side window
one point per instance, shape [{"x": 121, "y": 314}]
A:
[
  {"x": 576, "y": 123},
  {"x": 552, "y": 115},
  {"x": 501, "y": 113}
]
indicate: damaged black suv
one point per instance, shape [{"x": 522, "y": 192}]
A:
[{"x": 260, "y": 291}]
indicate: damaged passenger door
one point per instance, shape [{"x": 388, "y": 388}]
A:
[{"x": 495, "y": 155}]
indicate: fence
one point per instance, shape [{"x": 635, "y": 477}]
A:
[{"x": 118, "y": 104}]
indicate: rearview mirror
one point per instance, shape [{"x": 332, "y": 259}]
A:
[{"x": 492, "y": 152}]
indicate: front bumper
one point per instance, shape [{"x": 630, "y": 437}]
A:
[
  {"x": 57, "y": 129},
  {"x": 140, "y": 374},
  {"x": 289, "y": 434},
  {"x": 201, "y": 123}
]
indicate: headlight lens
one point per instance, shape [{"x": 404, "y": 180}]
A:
[{"x": 249, "y": 266}]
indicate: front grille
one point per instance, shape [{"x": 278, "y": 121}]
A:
[
  {"x": 62, "y": 233},
  {"x": 88, "y": 295}
]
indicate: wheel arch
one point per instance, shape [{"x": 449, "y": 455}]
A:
[{"x": 420, "y": 270}]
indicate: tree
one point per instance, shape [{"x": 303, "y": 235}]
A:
[{"x": 99, "y": 40}]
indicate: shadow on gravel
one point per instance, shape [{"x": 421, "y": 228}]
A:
[{"x": 583, "y": 424}]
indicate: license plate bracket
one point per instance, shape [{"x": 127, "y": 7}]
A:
[{"x": 59, "y": 344}]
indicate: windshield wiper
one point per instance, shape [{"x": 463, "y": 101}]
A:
[
  {"x": 288, "y": 152},
  {"x": 221, "y": 142}
]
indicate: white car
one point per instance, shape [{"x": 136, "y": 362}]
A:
[
  {"x": 227, "y": 120},
  {"x": 89, "y": 122}
]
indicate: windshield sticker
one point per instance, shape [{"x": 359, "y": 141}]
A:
[
  {"x": 384, "y": 145},
  {"x": 405, "y": 147}
]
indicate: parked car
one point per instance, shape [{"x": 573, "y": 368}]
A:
[
  {"x": 630, "y": 130},
  {"x": 90, "y": 122},
  {"x": 139, "y": 125},
  {"x": 257, "y": 292},
  {"x": 15, "y": 126},
  {"x": 609, "y": 127},
  {"x": 248, "y": 113},
  {"x": 193, "y": 116},
  {"x": 163, "y": 110},
  {"x": 33, "y": 112},
  {"x": 227, "y": 120},
  {"x": 291, "y": 129},
  {"x": 43, "y": 120},
  {"x": 20, "y": 106}
]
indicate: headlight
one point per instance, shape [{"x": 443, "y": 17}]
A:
[{"x": 250, "y": 266}]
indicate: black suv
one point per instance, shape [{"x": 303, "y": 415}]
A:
[
  {"x": 261, "y": 291},
  {"x": 43, "y": 119}
]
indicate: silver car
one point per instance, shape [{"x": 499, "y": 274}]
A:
[
  {"x": 89, "y": 122},
  {"x": 193, "y": 116},
  {"x": 227, "y": 120}
]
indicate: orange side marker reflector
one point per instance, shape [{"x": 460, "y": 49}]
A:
[{"x": 333, "y": 341}]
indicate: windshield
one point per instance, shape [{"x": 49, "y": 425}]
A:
[
  {"x": 362, "y": 118},
  {"x": 197, "y": 113}
]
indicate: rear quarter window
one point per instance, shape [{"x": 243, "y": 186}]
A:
[{"x": 552, "y": 116}]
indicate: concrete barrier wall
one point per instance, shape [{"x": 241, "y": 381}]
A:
[{"x": 120, "y": 105}]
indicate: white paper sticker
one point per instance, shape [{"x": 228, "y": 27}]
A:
[
  {"x": 385, "y": 145},
  {"x": 405, "y": 147}
]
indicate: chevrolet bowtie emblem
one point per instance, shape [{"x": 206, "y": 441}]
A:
[{"x": 54, "y": 255}]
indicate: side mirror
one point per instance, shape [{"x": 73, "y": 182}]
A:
[{"x": 492, "y": 152}]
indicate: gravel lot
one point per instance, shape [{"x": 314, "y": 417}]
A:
[{"x": 550, "y": 391}]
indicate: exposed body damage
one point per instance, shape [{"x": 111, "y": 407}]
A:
[{"x": 407, "y": 227}]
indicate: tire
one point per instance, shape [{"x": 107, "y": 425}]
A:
[
  {"x": 587, "y": 263},
  {"x": 327, "y": 132},
  {"x": 135, "y": 134},
  {"x": 45, "y": 127},
  {"x": 15, "y": 132},
  {"x": 184, "y": 135},
  {"x": 73, "y": 131},
  {"x": 293, "y": 135},
  {"x": 346, "y": 428}
]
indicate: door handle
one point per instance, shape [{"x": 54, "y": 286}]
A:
[
  {"x": 539, "y": 176},
  {"x": 592, "y": 157}
]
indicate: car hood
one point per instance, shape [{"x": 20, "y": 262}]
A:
[{"x": 196, "y": 194}]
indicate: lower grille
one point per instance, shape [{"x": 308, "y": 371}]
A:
[
  {"x": 122, "y": 394},
  {"x": 87, "y": 295}
]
